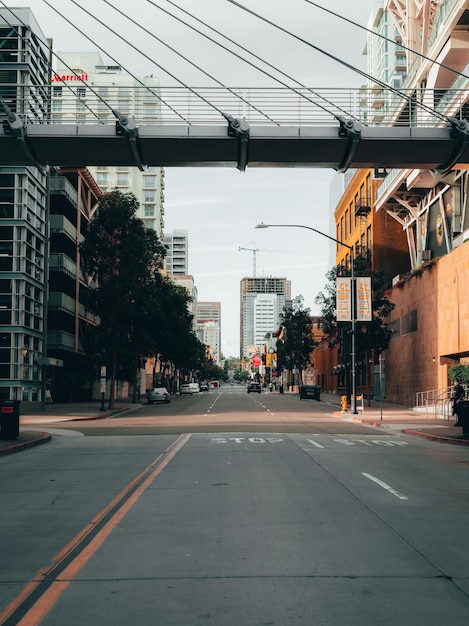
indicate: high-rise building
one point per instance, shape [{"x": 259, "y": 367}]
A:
[
  {"x": 209, "y": 327},
  {"x": 85, "y": 89},
  {"x": 177, "y": 247},
  {"x": 262, "y": 299},
  {"x": 24, "y": 76}
]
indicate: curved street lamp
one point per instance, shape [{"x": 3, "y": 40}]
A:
[{"x": 353, "y": 317}]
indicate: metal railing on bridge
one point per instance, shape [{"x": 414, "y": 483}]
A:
[{"x": 75, "y": 102}]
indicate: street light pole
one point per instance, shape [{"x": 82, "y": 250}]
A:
[{"x": 353, "y": 355}]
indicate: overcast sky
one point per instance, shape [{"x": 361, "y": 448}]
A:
[{"x": 220, "y": 206}]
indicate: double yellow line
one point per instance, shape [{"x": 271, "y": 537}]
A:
[{"x": 42, "y": 593}]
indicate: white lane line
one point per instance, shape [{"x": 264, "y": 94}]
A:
[
  {"x": 385, "y": 486},
  {"x": 318, "y": 445}
]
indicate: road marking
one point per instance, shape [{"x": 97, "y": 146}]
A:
[
  {"x": 385, "y": 486},
  {"x": 246, "y": 439},
  {"x": 315, "y": 443},
  {"x": 36, "y": 600}
]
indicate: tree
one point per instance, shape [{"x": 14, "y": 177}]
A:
[
  {"x": 370, "y": 336},
  {"x": 298, "y": 343},
  {"x": 121, "y": 259}
]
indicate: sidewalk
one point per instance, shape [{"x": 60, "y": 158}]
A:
[
  {"x": 389, "y": 417},
  {"x": 398, "y": 418},
  {"x": 57, "y": 413}
]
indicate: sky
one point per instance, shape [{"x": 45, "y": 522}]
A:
[{"x": 221, "y": 206}]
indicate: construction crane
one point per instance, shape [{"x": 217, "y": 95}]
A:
[
  {"x": 254, "y": 252},
  {"x": 254, "y": 258}
]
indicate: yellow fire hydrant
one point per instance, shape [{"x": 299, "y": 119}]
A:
[{"x": 344, "y": 403}]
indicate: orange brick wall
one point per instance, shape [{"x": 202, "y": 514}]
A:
[{"x": 419, "y": 361}]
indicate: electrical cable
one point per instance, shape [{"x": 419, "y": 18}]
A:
[
  {"x": 410, "y": 99},
  {"x": 116, "y": 61},
  {"x": 78, "y": 77},
  {"x": 186, "y": 59},
  {"x": 193, "y": 91},
  {"x": 392, "y": 41},
  {"x": 299, "y": 93}
]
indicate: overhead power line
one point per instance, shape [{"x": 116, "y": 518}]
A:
[
  {"x": 392, "y": 41},
  {"x": 410, "y": 99}
]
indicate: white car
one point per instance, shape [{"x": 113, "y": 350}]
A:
[
  {"x": 190, "y": 388},
  {"x": 158, "y": 394},
  {"x": 186, "y": 388}
]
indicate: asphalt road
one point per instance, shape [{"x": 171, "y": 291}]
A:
[{"x": 316, "y": 521}]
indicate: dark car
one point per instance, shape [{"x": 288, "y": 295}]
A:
[
  {"x": 254, "y": 388},
  {"x": 158, "y": 394}
]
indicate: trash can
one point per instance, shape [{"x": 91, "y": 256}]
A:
[
  {"x": 9, "y": 419},
  {"x": 465, "y": 417},
  {"x": 310, "y": 392}
]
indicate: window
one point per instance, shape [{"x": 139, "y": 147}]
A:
[
  {"x": 149, "y": 210},
  {"x": 149, "y": 196},
  {"x": 149, "y": 181},
  {"x": 122, "y": 179},
  {"x": 81, "y": 92}
]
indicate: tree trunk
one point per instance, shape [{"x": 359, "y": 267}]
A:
[{"x": 112, "y": 388}]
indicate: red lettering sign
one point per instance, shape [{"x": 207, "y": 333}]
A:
[{"x": 56, "y": 78}]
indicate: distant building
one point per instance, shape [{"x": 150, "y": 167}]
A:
[
  {"x": 209, "y": 316},
  {"x": 262, "y": 299},
  {"x": 177, "y": 252},
  {"x": 187, "y": 281},
  {"x": 105, "y": 87}
]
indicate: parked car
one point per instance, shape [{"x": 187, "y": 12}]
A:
[
  {"x": 195, "y": 387},
  {"x": 158, "y": 394},
  {"x": 186, "y": 388},
  {"x": 254, "y": 387},
  {"x": 204, "y": 387}
]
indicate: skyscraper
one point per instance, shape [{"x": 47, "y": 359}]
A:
[{"x": 262, "y": 299}]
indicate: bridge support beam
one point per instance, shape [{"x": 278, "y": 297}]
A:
[
  {"x": 352, "y": 130},
  {"x": 126, "y": 126},
  {"x": 460, "y": 132},
  {"x": 240, "y": 129},
  {"x": 14, "y": 126}
]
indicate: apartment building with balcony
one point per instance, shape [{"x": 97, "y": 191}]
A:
[
  {"x": 424, "y": 212},
  {"x": 24, "y": 75},
  {"x": 74, "y": 197}
]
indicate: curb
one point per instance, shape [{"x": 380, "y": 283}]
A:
[
  {"x": 22, "y": 445},
  {"x": 438, "y": 438}
]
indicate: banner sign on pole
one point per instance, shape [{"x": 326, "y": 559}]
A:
[
  {"x": 344, "y": 299},
  {"x": 364, "y": 298}
]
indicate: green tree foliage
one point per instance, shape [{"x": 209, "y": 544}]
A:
[
  {"x": 459, "y": 372},
  {"x": 140, "y": 312},
  {"x": 298, "y": 343},
  {"x": 373, "y": 335}
]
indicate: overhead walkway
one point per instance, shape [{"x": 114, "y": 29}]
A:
[{"x": 256, "y": 128}]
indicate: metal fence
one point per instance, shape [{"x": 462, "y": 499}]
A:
[
  {"x": 77, "y": 102},
  {"x": 436, "y": 402}
]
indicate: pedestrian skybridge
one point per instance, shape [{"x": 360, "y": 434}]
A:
[{"x": 75, "y": 126}]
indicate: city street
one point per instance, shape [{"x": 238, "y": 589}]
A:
[{"x": 286, "y": 513}]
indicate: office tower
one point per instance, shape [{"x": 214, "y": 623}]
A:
[
  {"x": 262, "y": 299},
  {"x": 90, "y": 92}
]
